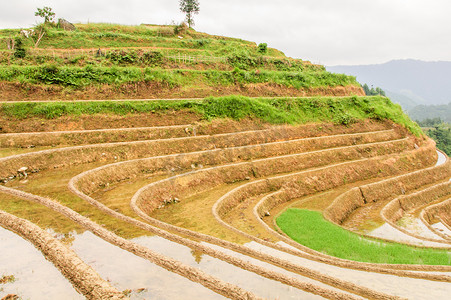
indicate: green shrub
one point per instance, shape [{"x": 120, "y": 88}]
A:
[
  {"x": 19, "y": 50},
  {"x": 122, "y": 57},
  {"x": 201, "y": 43},
  {"x": 181, "y": 29},
  {"x": 344, "y": 119},
  {"x": 262, "y": 48},
  {"x": 152, "y": 58},
  {"x": 243, "y": 61}
]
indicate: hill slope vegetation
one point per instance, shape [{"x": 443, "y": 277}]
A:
[{"x": 113, "y": 61}]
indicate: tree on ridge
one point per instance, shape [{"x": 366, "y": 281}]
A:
[{"x": 190, "y": 8}]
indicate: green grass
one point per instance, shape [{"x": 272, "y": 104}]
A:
[
  {"x": 89, "y": 75},
  {"x": 272, "y": 110},
  {"x": 309, "y": 228},
  {"x": 237, "y": 52},
  {"x": 167, "y": 59},
  {"x": 114, "y": 35}
]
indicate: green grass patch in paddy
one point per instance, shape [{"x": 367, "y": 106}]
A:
[{"x": 310, "y": 229}]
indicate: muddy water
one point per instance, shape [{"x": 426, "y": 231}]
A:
[
  {"x": 36, "y": 278},
  {"x": 417, "y": 227},
  {"x": 400, "y": 286},
  {"x": 442, "y": 228},
  {"x": 124, "y": 271},
  {"x": 127, "y": 271},
  {"x": 441, "y": 159},
  {"x": 39, "y": 279},
  {"x": 386, "y": 231}
]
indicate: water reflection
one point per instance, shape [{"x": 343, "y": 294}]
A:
[
  {"x": 410, "y": 288},
  {"x": 127, "y": 271},
  {"x": 36, "y": 277},
  {"x": 441, "y": 158},
  {"x": 39, "y": 279}
]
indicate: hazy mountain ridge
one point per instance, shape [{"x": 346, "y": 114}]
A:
[
  {"x": 422, "y": 82},
  {"x": 422, "y": 112}
]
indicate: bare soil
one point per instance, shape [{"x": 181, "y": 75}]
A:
[
  {"x": 97, "y": 121},
  {"x": 12, "y": 91}
]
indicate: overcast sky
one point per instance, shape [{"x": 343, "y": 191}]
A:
[{"x": 329, "y": 32}]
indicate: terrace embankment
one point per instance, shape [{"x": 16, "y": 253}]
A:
[
  {"x": 227, "y": 160},
  {"x": 396, "y": 209},
  {"x": 57, "y": 158},
  {"x": 188, "y": 184},
  {"x": 439, "y": 212},
  {"x": 146, "y": 90},
  {"x": 346, "y": 205}
]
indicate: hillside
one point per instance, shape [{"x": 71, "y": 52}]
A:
[
  {"x": 262, "y": 177},
  {"x": 423, "y": 82},
  {"x": 105, "y": 61}
]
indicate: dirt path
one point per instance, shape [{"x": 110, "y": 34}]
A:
[{"x": 153, "y": 99}]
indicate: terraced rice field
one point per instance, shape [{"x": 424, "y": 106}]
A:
[{"x": 189, "y": 211}]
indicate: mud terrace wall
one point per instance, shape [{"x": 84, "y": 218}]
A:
[
  {"x": 397, "y": 208},
  {"x": 58, "y": 158},
  {"x": 97, "y": 136},
  {"x": 85, "y": 280},
  {"x": 405, "y": 183},
  {"x": 440, "y": 212},
  {"x": 30, "y": 139},
  {"x": 125, "y": 170},
  {"x": 330, "y": 177},
  {"x": 346, "y": 203},
  {"x": 190, "y": 183}
]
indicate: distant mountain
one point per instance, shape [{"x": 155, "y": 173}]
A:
[
  {"x": 422, "y": 112},
  {"x": 417, "y": 82}
]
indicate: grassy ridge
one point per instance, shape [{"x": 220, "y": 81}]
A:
[
  {"x": 312, "y": 230},
  {"x": 174, "y": 58},
  {"x": 114, "y": 35},
  {"x": 272, "y": 110},
  {"x": 80, "y": 77},
  {"x": 160, "y": 57}
]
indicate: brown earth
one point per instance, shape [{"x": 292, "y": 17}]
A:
[
  {"x": 97, "y": 121},
  {"x": 10, "y": 297},
  {"x": 13, "y": 91},
  {"x": 6, "y": 278}
]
